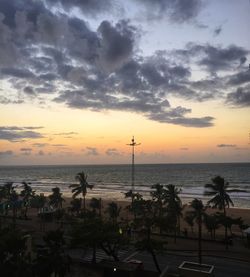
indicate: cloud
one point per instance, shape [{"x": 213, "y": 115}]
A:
[
  {"x": 214, "y": 58},
  {"x": 116, "y": 44},
  {"x": 92, "y": 7},
  {"x": 26, "y": 151},
  {"x": 226, "y": 145},
  {"x": 6, "y": 153},
  {"x": 217, "y": 30},
  {"x": 14, "y": 133},
  {"x": 40, "y": 153},
  {"x": 91, "y": 151},
  {"x": 239, "y": 78},
  {"x": 239, "y": 98},
  {"x": 184, "y": 148},
  {"x": 139, "y": 86},
  {"x": 5, "y": 101},
  {"x": 178, "y": 11},
  {"x": 40, "y": 144},
  {"x": 66, "y": 134},
  {"x": 112, "y": 152},
  {"x": 53, "y": 53},
  {"x": 59, "y": 145}
]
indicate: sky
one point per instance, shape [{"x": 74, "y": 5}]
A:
[{"x": 79, "y": 78}]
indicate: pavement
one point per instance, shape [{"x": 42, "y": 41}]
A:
[
  {"x": 224, "y": 267},
  {"x": 171, "y": 260}
]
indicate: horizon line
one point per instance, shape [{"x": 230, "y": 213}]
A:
[{"x": 122, "y": 164}]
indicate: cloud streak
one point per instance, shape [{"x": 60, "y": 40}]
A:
[{"x": 14, "y": 133}]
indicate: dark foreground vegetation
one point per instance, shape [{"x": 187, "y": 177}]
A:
[{"x": 145, "y": 224}]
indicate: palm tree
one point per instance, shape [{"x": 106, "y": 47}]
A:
[
  {"x": 146, "y": 221},
  {"x": 113, "y": 211},
  {"x": 96, "y": 204},
  {"x": 75, "y": 205},
  {"x": 81, "y": 188},
  {"x": 56, "y": 199},
  {"x": 211, "y": 223},
  {"x": 27, "y": 193},
  {"x": 134, "y": 207},
  {"x": 220, "y": 191},
  {"x": 198, "y": 214},
  {"x": 38, "y": 201},
  {"x": 174, "y": 204},
  {"x": 12, "y": 196},
  {"x": 158, "y": 196},
  {"x": 190, "y": 220}
]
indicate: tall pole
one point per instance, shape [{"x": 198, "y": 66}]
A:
[{"x": 133, "y": 144}]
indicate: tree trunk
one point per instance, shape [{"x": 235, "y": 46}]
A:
[
  {"x": 199, "y": 240},
  {"x": 25, "y": 212},
  {"x": 94, "y": 254},
  {"x": 226, "y": 236},
  {"x": 151, "y": 251},
  {"x": 100, "y": 208},
  {"x": 84, "y": 206}
]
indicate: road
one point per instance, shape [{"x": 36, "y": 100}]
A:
[{"x": 223, "y": 267}]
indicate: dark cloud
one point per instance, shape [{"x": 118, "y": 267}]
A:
[
  {"x": 184, "y": 148},
  {"x": 139, "y": 86},
  {"x": 6, "y": 153},
  {"x": 91, "y": 151},
  {"x": 18, "y": 73},
  {"x": 215, "y": 58},
  {"x": 116, "y": 44},
  {"x": 240, "y": 98},
  {"x": 29, "y": 91},
  {"x": 239, "y": 78},
  {"x": 14, "y": 133},
  {"x": 180, "y": 119},
  {"x": 226, "y": 145},
  {"x": 179, "y": 11},
  {"x": 217, "y": 30}
]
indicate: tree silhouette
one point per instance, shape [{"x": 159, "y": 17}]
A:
[
  {"x": 27, "y": 193},
  {"x": 113, "y": 211},
  {"x": 96, "y": 205},
  {"x": 198, "y": 214},
  {"x": 220, "y": 191},
  {"x": 81, "y": 188},
  {"x": 56, "y": 199},
  {"x": 174, "y": 205}
]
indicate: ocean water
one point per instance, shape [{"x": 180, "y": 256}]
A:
[{"x": 111, "y": 181}]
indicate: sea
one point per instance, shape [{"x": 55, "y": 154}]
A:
[{"x": 112, "y": 181}]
